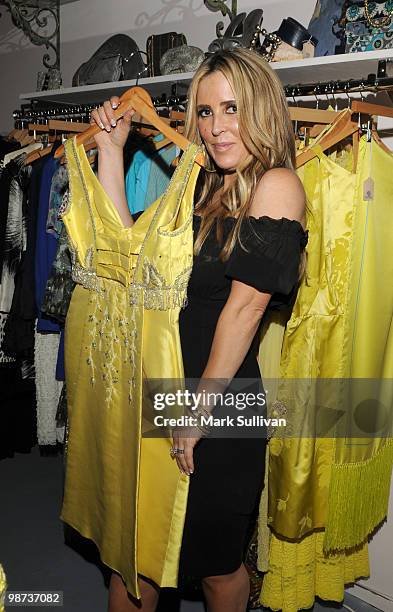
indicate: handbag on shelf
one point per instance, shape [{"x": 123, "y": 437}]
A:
[
  {"x": 117, "y": 59},
  {"x": 157, "y": 45},
  {"x": 369, "y": 26},
  {"x": 181, "y": 59}
]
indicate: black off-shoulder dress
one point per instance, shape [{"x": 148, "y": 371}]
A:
[{"x": 228, "y": 476}]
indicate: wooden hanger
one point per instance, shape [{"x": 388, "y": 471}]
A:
[
  {"x": 31, "y": 157},
  {"x": 138, "y": 99},
  {"x": 379, "y": 141},
  {"x": 161, "y": 144},
  {"x": 67, "y": 126},
  {"x": 341, "y": 128},
  {"x": 312, "y": 115},
  {"x": 358, "y": 106}
]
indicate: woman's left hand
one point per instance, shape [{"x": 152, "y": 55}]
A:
[{"x": 185, "y": 458}]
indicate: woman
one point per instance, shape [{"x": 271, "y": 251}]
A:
[{"x": 248, "y": 231}]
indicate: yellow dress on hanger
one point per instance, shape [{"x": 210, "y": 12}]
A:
[
  {"x": 300, "y": 468},
  {"x": 122, "y": 328},
  {"x": 363, "y": 459},
  {"x": 339, "y": 331}
]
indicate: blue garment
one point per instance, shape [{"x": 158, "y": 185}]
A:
[
  {"x": 139, "y": 196},
  {"x": 160, "y": 174},
  {"x": 46, "y": 247},
  {"x": 136, "y": 180}
]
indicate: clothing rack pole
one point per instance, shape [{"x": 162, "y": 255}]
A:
[
  {"x": 36, "y": 112},
  {"x": 372, "y": 83}
]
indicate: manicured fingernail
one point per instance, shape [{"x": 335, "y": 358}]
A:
[
  {"x": 114, "y": 105},
  {"x": 191, "y": 471},
  {"x": 113, "y": 123},
  {"x": 102, "y": 126},
  {"x": 108, "y": 128}
]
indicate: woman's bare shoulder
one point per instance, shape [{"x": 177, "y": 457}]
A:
[{"x": 279, "y": 193}]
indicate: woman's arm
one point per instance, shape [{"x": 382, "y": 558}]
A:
[
  {"x": 110, "y": 143},
  {"x": 235, "y": 330}
]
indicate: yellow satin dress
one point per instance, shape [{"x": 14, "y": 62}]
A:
[
  {"x": 300, "y": 469},
  {"x": 131, "y": 282}
]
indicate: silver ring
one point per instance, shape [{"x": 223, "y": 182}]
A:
[{"x": 176, "y": 451}]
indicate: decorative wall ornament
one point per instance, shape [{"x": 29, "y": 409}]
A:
[
  {"x": 219, "y": 5},
  {"x": 40, "y": 22}
]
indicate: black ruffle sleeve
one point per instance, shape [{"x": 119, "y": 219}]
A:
[{"x": 271, "y": 260}]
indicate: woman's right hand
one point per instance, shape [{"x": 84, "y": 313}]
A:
[{"x": 114, "y": 133}]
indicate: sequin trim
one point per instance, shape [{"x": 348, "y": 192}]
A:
[{"x": 154, "y": 294}]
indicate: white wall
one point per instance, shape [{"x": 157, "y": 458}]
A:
[{"x": 84, "y": 26}]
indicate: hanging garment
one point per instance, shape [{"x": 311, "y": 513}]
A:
[
  {"x": 20, "y": 328},
  {"x": 59, "y": 288},
  {"x": 363, "y": 459},
  {"x": 48, "y": 389},
  {"x": 316, "y": 489},
  {"x": 160, "y": 174},
  {"x": 130, "y": 282},
  {"x": 320, "y": 343},
  {"x": 300, "y": 467},
  {"x": 46, "y": 246},
  {"x": 5, "y": 179},
  {"x": 17, "y": 396},
  {"x": 18, "y": 414},
  {"x": 148, "y": 175},
  {"x": 13, "y": 194},
  {"x": 58, "y": 190}
]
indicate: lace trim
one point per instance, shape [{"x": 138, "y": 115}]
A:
[
  {"x": 154, "y": 294},
  {"x": 48, "y": 389}
]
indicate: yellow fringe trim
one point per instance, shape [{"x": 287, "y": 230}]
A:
[{"x": 358, "y": 499}]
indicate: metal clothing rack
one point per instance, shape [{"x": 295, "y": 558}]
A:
[
  {"x": 41, "y": 112},
  {"x": 372, "y": 83}
]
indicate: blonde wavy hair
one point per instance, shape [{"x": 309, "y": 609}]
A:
[{"x": 266, "y": 131}]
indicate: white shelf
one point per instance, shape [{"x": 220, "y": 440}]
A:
[
  {"x": 332, "y": 67},
  {"x": 89, "y": 94}
]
